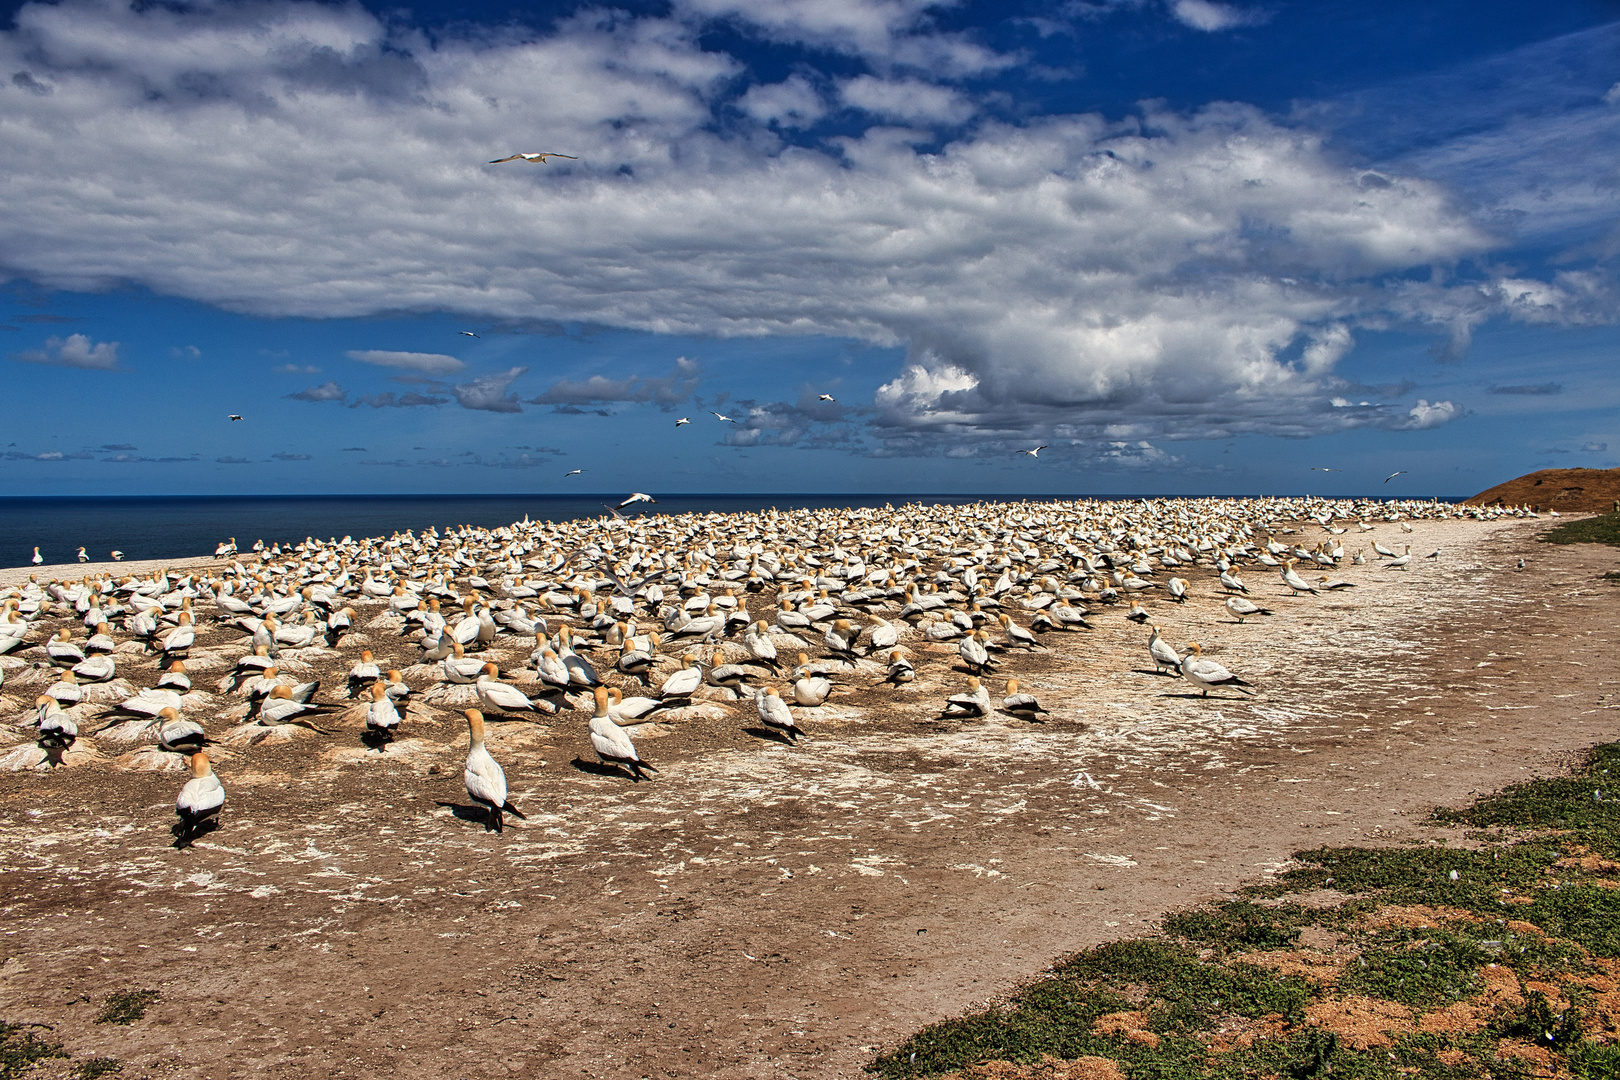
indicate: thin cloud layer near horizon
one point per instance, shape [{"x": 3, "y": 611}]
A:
[{"x": 1191, "y": 246}]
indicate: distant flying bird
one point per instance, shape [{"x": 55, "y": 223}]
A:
[
  {"x": 719, "y": 416},
  {"x": 1393, "y": 475},
  {"x": 535, "y": 159},
  {"x": 575, "y": 472},
  {"x": 826, "y": 397},
  {"x": 1035, "y": 453},
  {"x": 636, "y": 497},
  {"x": 235, "y": 417},
  {"x": 468, "y": 333},
  {"x": 1318, "y": 468},
  {"x": 683, "y": 420}
]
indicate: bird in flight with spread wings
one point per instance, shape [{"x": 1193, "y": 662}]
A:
[
  {"x": 536, "y": 159},
  {"x": 1035, "y": 453},
  {"x": 1393, "y": 475}
]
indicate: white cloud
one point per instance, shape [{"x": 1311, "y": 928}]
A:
[
  {"x": 421, "y": 363},
  {"x": 1594, "y": 447},
  {"x": 1177, "y": 275},
  {"x": 1613, "y": 95},
  {"x": 327, "y": 391},
  {"x": 487, "y": 393},
  {"x": 1424, "y": 415},
  {"x": 1212, "y": 17},
  {"x": 792, "y": 103},
  {"x": 907, "y": 100},
  {"x": 77, "y": 351}
]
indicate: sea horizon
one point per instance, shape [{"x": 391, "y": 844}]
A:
[{"x": 188, "y": 526}]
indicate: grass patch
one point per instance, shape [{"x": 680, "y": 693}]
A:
[
  {"x": 98, "y": 1067},
  {"x": 20, "y": 1048},
  {"x": 126, "y": 1006},
  {"x": 1439, "y": 962},
  {"x": 1602, "y": 529}
]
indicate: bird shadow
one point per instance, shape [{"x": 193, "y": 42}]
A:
[
  {"x": 373, "y": 739},
  {"x": 1145, "y": 671},
  {"x": 185, "y": 836},
  {"x": 768, "y": 735},
  {"x": 473, "y": 815},
  {"x": 602, "y": 768}
]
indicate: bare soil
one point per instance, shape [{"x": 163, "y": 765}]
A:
[
  {"x": 765, "y": 910},
  {"x": 1568, "y": 491}
]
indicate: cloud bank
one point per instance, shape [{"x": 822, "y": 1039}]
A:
[{"x": 1166, "y": 276}]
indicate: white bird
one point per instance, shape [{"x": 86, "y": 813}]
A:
[
  {"x": 1178, "y": 589},
  {"x": 1206, "y": 675},
  {"x": 685, "y": 682},
  {"x": 38, "y": 559},
  {"x": 1393, "y": 475},
  {"x": 1242, "y": 608},
  {"x": 825, "y": 397},
  {"x": 1318, "y": 468},
  {"x": 534, "y": 159},
  {"x": 810, "y": 689},
  {"x": 82, "y": 556},
  {"x": 573, "y": 472},
  {"x": 1020, "y": 705},
  {"x": 382, "y": 716},
  {"x": 973, "y": 653},
  {"x": 757, "y": 640},
  {"x": 1400, "y": 563},
  {"x": 1292, "y": 579},
  {"x": 612, "y": 743},
  {"x": 179, "y": 735},
  {"x": 775, "y": 714},
  {"x": 117, "y": 556},
  {"x": 200, "y": 800},
  {"x": 976, "y": 702},
  {"x": 234, "y": 416},
  {"x": 720, "y": 416},
  {"x": 486, "y": 783},
  {"x": 1035, "y": 453},
  {"x": 469, "y": 333},
  {"x": 635, "y": 497},
  {"x": 1018, "y": 635},
  {"x": 683, "y": 421},
  {"x": 1163, "y": 653}
]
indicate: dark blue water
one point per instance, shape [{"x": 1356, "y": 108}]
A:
[{"x": 173, "y": 527}]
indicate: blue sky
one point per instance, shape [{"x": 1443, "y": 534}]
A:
[{"x": 1188, "y": 246}]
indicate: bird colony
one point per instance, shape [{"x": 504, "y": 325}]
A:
[{"x": 614, "y": 628}]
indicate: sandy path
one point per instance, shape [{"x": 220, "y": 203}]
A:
[{"x": 766, "y": 911}]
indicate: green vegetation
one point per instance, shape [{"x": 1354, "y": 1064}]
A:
[
  {"x": 21, "y": 1048},
  {"x": 94, "y": 1068},
  {"x": 1500, "y": 959},
  {"x": 1602, "y": 529},
  {"x": 126, "y": 1006}
]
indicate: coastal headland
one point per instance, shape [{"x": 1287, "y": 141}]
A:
[{"x": 764, "y": 909}]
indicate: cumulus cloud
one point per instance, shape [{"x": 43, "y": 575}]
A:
[
  {"x": 906, "y": 100},
  {"x": 75, "y": 351},
  {"x": 488, "y": 392},
  {"x": 327, "y": 391},
  {"x": 186, "y": 352},
  {"x": 1594, "y": 447},
  {"x": 1175, "y": 275},
  {"x": 421, "y": 363},
  {"x": 667, "y": 392},
  {"x": 1424, "y": 415},
  {"x": 1213, "y": 17},
  {"x": 296, "y": 369},
  {"x": 792, "y": 103},
  {"x": 1529, "y": 389}
]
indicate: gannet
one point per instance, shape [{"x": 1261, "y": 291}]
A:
[
  {"x": 719, "y": 416},
  {"x": 1242, "y": 608},
  {"x": 976, "y": 702},
  {"x": 757, "y": 640},
  {"x": 363, "y": 674},
  {"x": 973, "y": 653},
  {"x": 840, "y": 638},
  {"x": 775, "y": 714},
  {"x": 685, "y": 682},
  {"x": 233, "y": 416},
  {"x": 1035, "y": 453},
  {"x": 177, "y": 734},
  {"x": 809, "y": 689},
  {"x": 1400, "y": 562},
  {"x": 1393, "y": 475},
  {"x": 1020, "y": 705},
  {"x": 1293, "y": 580},
  {"x": 381, "y": 715},
  {"x": 1164, "y": 655},
  {"x": 486, "y": 783},
  {"x": 612, "y": 743},
  {"x": 1207, "y": 674},
  {"x": 534, "y": 159},
  {"x": 37, "y": 560},
  {"x": 199, "y": 801},
  {"x": 499, "y": 697},
  {"x": 683, "y": 421}
]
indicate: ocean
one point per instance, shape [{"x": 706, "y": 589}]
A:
[{"x": 174, "y": 527}]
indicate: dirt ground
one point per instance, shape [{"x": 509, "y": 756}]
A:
[{"x": 765, "y": 910}]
